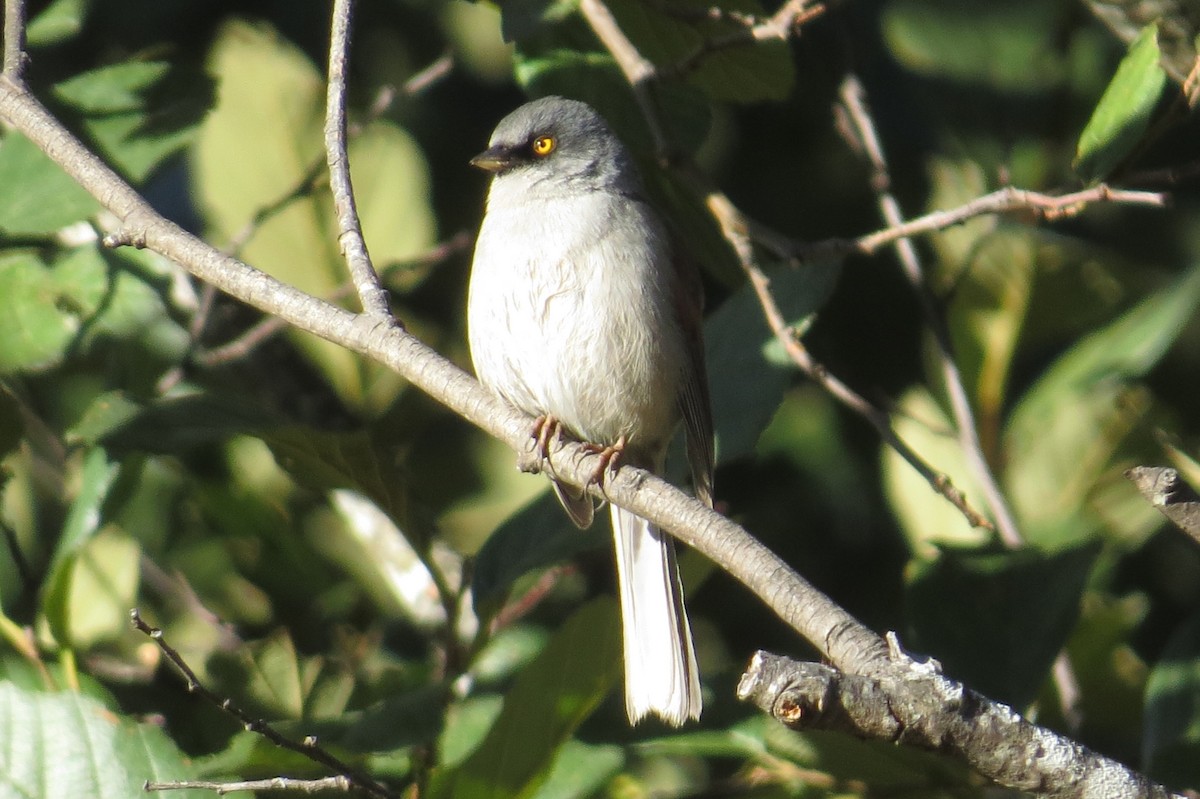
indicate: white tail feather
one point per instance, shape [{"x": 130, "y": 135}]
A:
[{"x": 660, "y": 660}]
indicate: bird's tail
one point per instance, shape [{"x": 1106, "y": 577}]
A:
[{"x": 660, "y": 660}]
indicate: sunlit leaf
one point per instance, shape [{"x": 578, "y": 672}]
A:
[
  {"x": 551, "y": 697},
  {"x": 986, "y": 318},
  {"x": 261, "y": 144},
  {"x": 97, "y": 475},
  {"x": 57, "y": 22},
  {"x": 103, "y": 587},
  {"x": 927, "y": 518},
  {"x": 35, "y": 331},
  {"x": 1060, "y": 437},
  {"x": 65, "y": 745},
  {"x": 580, "y": 770},
  {"x": 1123, "y": 113}
]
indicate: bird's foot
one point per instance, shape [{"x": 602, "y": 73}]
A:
[
  {"x": 546, "y": 430},
  {"x": 610, "y": 459}
]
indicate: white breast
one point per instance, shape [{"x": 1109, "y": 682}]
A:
[{"x": 568, "y": 315}]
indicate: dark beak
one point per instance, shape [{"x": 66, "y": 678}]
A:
[{"x": 495, "y": 159}]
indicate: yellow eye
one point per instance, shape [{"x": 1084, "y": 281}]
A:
[{"x": 542, "y": 146}]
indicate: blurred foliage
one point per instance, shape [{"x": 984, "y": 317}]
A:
[{"x": 348, "y": 560}]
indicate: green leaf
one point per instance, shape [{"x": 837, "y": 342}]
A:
[
  {"x": 34, "y": 332},
  {"x": 82, "y": 300},
  {"x": 1011, "y": 46},
  {"x": 997, "y": 620},
  {"x": 580, "y": 770},
  {"x": 467, "y": 725},
  {"x": 38, "y": 197},
  {"x": 747, "y": 374},
  {"x": 391, "y": 182},
  {"x": 360, "y": 461},
  {"x": 524, "y": 19},
  {"x": 594, "y": 78},
  {"x": 1171, "y": 742},
  {"x": 1111, "y": 677},
  {"x": 103, "y": 587},
  {"x": 282, "y": 684},
  {"x": 108, "y": 412},
  {"x": 549, "y": 700},
  {"x": 1178, "y": 29},
  {"x": 928, "y": 520},
  {"x": 1062, "y": 435},
  {"x": 262, "y": 143},
  {"x": 63, "y": 746},
  {"x": 84, "y": 519},
  {"x": 1123, "y": 114},
  {"x": 534, "y": 537},
  {"x": 12, "y": 426},
  {"x": 57, "y": 22},
  {"x": 986, "y": 318},
  {"x": 139, "y": 112},
  {"x": 174, "y": 426},
  {"x": 750, "y": 73}
]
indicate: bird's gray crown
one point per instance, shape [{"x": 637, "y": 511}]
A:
[{"x": 584, "y": 149}]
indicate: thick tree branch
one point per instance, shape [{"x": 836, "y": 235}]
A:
[{"x": 919, "y": 707}]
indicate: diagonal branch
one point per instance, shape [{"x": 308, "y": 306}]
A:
[
  {"x": 854, "y": 101},
  {"x": 308, "y": 748}
]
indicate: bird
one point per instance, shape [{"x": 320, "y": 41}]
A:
[{"x": 583, "y": 312}]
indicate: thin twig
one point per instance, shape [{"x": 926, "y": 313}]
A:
[
  {"x": 14, "y": 39},
  {"x": 431, "y": 74},
  {"x": 338, "y": 783},
  {"x": 1050, "y": 207},
  {"x": 308, "y": 748},
  {"x": 778, "y": 27},
  {"x": 853, "y": 99},
  {"x": 727, "y": 217},
  {"x": 371, "y": 294}
]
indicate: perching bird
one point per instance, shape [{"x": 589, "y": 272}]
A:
[{"x": 581, "y": 312}]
